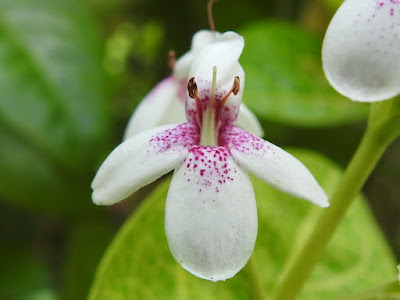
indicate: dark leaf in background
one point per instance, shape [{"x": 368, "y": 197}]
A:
[
  {"x": 22, "y": 276},
  {"x": 284, "y": 78},
  {"x": 54, "y": 110},
  {"x": 85, "y": 244},
  {"x": 138, "y": 263}
]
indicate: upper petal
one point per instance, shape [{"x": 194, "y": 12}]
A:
[
  {"x": 361, "y": 50},
  {"x": 140, "y": 160},
  {"x": 200, "y": 39},
  {"x": 272, "y": 165},
  {"x": 162, "y": 106},
  {"x": 211, "y": 214},
  {"x": 223, "y": 53},
  {"x": 248, "y": 121}
]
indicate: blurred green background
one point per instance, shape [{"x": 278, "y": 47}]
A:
[{"x": 72, "y": 72}]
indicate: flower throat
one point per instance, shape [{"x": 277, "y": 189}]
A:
[{"x": 208, "y": 119}]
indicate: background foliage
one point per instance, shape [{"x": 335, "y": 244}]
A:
[{"x": 71, "y": 73}]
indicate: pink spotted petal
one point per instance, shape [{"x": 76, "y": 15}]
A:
[
  {"x": 211, "y": 214},
  {"x": 165, "y": 104},
  {"x": 361, "y": 50},
  {"x": 272, "y": 165},
  {"x": 142, "y": 159}
]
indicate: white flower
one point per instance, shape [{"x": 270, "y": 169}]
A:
[
  {"x": 210, "y": 213},
  {"x": 165, "y": 104},
  {"x": 361, "y": 50}
]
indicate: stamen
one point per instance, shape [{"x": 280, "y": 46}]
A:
[
  {"x": 171, "y": 59},
  {"x": 235, "y": 89},
  {"x": 192, "y": 88},
  {"x": 208, "y": 134},
  {"x": 210, "y": 17},
  {"x": 236, "y": 85},
  {"x": 213, "y": 85}
]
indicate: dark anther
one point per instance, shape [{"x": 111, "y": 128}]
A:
[
  {"x": 192, "y": 88},
  {"x": 236, "y": 85}
]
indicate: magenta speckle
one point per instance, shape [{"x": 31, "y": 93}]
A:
[
  {"x": 381, "y": 5},
  {"x": 214, "y": 170},
  {"x": 241, "y": 140},
  {"x": 225, "y": 111},
  {"x": 184, "y": 135},
  {"x": 381, "y": 23}
]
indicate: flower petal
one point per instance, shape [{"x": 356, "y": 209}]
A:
[
  {"x": 361, "y": 50},
  {"x": 272, "y": 165},
  {"x": 200, "y": 39},
  {"x": 162, "y": 106},
  {"x": 248, "y": 121},
  {"x": 142, "y": 159},
  {"x": 223, "y": 53},
  {"x": 211, "y": 214}
]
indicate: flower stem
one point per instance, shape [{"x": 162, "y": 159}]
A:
[
  {"x": 255, "y": 287},
  {"x": 382, "y": 129}
]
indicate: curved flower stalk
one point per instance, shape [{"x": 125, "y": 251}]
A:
[
  {"x": 210, "y": 213},
  {"x": 361, "y": 50},
  {"x": 165, "y": 104}
]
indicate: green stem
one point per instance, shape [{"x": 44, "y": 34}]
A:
[
  {"x": 255, "y": 287},
  {"x": 376, "y": 138}
]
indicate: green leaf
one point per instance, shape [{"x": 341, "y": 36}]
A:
[
  {"x": 54, "y": 113},
  {"x": 390, "y": 291},
  {"x": 284, "y": 78},
  {"x": 332, "y": 4},
  {"x": 139, "y": 265}
]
